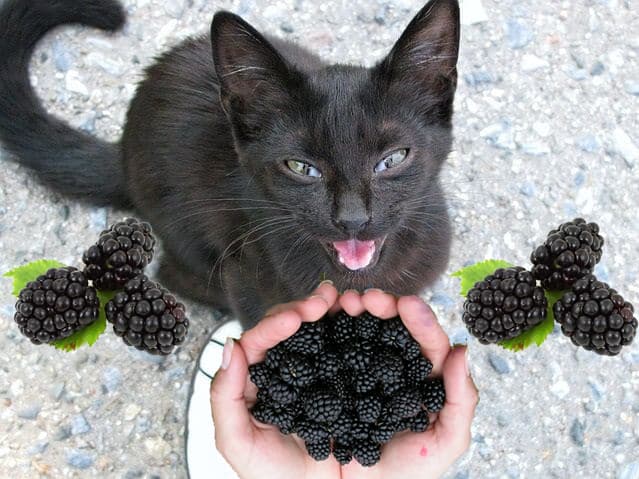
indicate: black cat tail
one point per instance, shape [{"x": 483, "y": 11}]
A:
[{"x": 67, "y": 160}]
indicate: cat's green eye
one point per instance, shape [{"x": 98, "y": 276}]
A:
[
  {"x": 392, "y": 160},
  {"x": 303, "y": 169}
]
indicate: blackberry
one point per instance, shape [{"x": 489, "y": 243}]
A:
[
  {"x": 319, "y": 450},
  {"x": 342, "y": 328},
  {"x": 418, "y": 370},
  {"x": 281, "y": 392},
  {"x": 420, "y": 422},
  {"x": 406, "y": 403},
  {"x": 267, "y": 414},
  {"x": 367, "y": 326},
  {"x": 358, "y": 356},
  {"x": 147, "y": 316},
  {"x": 311, "y": 432},
  {"x": 504, "y": 305},
  {"x": 388, "y": 368},
  {"x": 596, "y": 317},
  {"x": 56, "y": 305},
  {"x": 275, "y": 356},
  {"x": 570, "y": 252},
  {"x": 366, "y": 453},
  {"x": 364, "y": 382},
  {"x": 434, "y": 395},
  {"x": 394, "y": 333},
  {"x": 383, "y": 431},
  {"x": 307, "y": 340},
  {"x": 368, "y": 409},
  {"x": 412, "y": 350},
  {"x": 322, "y": 406},
  {"x": 297, "y": 370},
  {"x": 260, "y": 374},
  {"x": 120, "y": 254},
  {"x": 342, "y": 453},
  {"x": 342, "y": 426},
  {"x": 328, "y": 365}
]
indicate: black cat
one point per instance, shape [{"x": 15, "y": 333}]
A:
[{"x": 262, "y": 169}]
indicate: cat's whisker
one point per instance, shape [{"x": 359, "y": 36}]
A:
[{"x": 211, "y": 211}]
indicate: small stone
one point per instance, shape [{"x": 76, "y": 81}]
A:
[
  {"x": 63, "y": 433},
  {"x": 175, "y": 8},
  {"x": 597, "y": 69},
  {"x": 588, "y": 143},
  {"x": 62, "y": 57},
  {"x": 477, "y": 78},
  {"x": 629, "y": 471},
  {"x": 535, "y": 148},
  {"x": 74, "y": 83},
  {"x": 560, "y": 389},
  {"x": 625, "y": 147},
  {"x": 503, "y": 420},
  {"x": 38, "y": 448},
  {"x": 79, "y": 425},
  {"x": 142, "y": 424},
  {"x": 542, "y": 128},
  {"x": 131, "y": 411},
  {"x": 632, "y": 87},
  {"x": 30, "y": 412},
  {"x": 98, "y": 218},
  {"x": 500, "y": 135},
  {"x": 133, "y": 474},
  {"x": 498, "y": 363},
  {"x": 157, "y": 447},
  {"x": 79, "y": 459},
  {"x": 111, "y": 379},
  {"x": 518, "y": 34},
  {"x": 56, "y": 390},
  {"x": 463, "y": 475},
  {"x": 596, "y": 389},
  {"x": 527, "y": 189},
  {"x": 530, "y": 63},
  {"x": 578, "y": 74},
  {"x": 472, "y": 12},
  {"x": 109, "y": 65},
  {"x": 460, "y": 336},
  {"x": 577, "y": 432},
  {"x": 287, "y": 27}
]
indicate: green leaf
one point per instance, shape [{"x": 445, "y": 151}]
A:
[
  {"x": 30, "y": 272},
  {"x": 92, "y": 332},
  {"x": 477, "y": 272},
  {"x": 539, "y": 333}
]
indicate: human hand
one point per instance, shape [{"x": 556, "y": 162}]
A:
[
  {"x": 429, "y": 454},
  {"x": 253, "y": 449}
]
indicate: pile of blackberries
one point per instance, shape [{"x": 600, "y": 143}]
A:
[
  {"x": 65, "y": 300},
  {"x": 593, "y": 315},
  {"x": 346, "y": 385}
]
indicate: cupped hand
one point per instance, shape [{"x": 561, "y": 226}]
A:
[
  {"x": 253, "y": 449},
  {"x": 429, "y": 454}
]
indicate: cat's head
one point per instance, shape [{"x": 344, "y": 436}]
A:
[{"x": 354, "y": 152}]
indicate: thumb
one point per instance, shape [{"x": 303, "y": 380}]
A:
[
  {"x": 233, "y": 426},
  {"x": 455, "y": 419}
]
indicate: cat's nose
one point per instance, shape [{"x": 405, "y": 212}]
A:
[
  {"x": 353, "y": 225},
  {"x": 351, "y": 215}
]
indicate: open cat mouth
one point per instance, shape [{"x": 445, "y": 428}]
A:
[{"x": 354, "y": 254}]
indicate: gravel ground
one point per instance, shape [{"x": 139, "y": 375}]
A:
[{"x": 546, "y": 129}]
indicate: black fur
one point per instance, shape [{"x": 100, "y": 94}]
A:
[{"x": 205, "y": 142}]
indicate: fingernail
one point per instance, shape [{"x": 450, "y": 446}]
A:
[
  {"x": 227, "y": 353},
  {"x": 318, "y": 296},
  {"x": 326, "y": 281},
  {"x": 370, "y": 290},
  {"x": 351, "y": 291}
]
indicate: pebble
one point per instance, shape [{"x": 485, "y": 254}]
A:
[
  {"x": 632, "y": 87},
  {"x": 74, "y": 83},
  {"x": 477, "y": 78},
  {"x": 98, "y": 219},
  {"x": 79, "y": 459},
  {"x": 530, "y": 63},
  {"x": 535, "y": 148},
  {"x": 175, "y": 8},
  {"x": 30, "y": 412},
  {"x": 518, "y": 35},
  {"x": 111, "y": 379},
  {"x": 472, "y": 12},
  {"x": 625, "y": 147},
  {"x": 62, "y": 433},
  {"x": 597, "y": 69},
  {"x": 629, "y": 471},
  {"x": 560, "y": 389},
  {"x": 500, "y": 135},
  {"x": 62, "y": 57},
  {"x": 79, "y": 425},
  {"x": 498, "y": 363},
  {"x": 38, "y": 448},
  {"x": 528, "y": 189},
  {"x": 577, "y": 432},
  {"x": 109, "y": 65},
  {"x": 588, "y": 143},
  {"x": 131, "y": 411}
]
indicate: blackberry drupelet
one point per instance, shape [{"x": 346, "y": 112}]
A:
[
  {"x": 596, "y": 317},
  {"x": 147, "y": 316},
  {"x": 120, "y": 254},
  {"x": 346, "y": 385},
  {"x": 56, "y": 305},
  {"x": 504, "y": 305},
  {"x": 570, "y": 252}
]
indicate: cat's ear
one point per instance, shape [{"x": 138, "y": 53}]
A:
[
  {"x": 425, "y": 56},
  {"x": 247, "y": 65}
]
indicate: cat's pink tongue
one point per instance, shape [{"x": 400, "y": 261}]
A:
[{"x": 355, "y": 254}]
